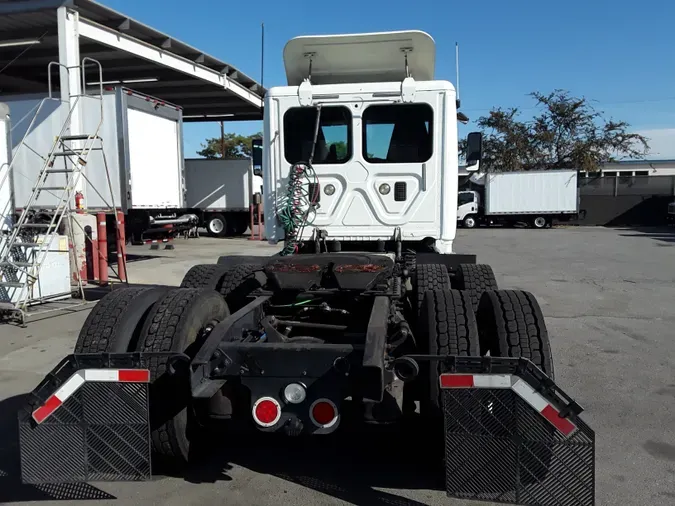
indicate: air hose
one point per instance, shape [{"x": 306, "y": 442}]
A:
[{"x": 297, "y": 208}]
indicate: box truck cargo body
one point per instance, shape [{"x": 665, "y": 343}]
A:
[
  {"x": 534, "y": 197},
  {"x": 220, "y": 192},
  {"x": 142, "y": 143}
]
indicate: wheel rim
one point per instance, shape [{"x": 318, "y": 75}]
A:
[
  {"x": 470, "y": 222},
  {"x": 539, "y": 222},
  {"x": 216, "y": 225}
]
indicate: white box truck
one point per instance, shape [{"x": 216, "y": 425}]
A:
[
  {"x": 220, "y": 192},
  {"x": 533, "y": 197},
  {"x": 142, "y": 141}
]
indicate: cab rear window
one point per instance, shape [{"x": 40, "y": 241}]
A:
[
  {"x": 334, "y": 139},
  {"x": 398, "y": 133}
]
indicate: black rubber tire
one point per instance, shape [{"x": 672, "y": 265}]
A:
[
  {"x": 511, "y": 324},
  {"x": 242, "y": 224},
  {"x": 237, "y": 283},
  {"x": 429, "y": 277},
  {"x": 214, "y": 217},
  {"x": 540, "y": 222},
  {"x": 204, "y": 276},
  {"x": 175, "y": 324},
  {"x": 114, "y": 324},
  {"x": 236, "y": 224},
  {"x": 449, "y": 325},
  {"x": 475, "y": 279},
  {"x": 470, "y": 221}
]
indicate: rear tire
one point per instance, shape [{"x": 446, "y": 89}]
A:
[
  {"x": 238, "y": 283},
  {"x": 475, "y": 279},
  {"x": 204, "y": 276},
  {"x": 114, "y": 324},
  {"x": 216, "y": 225},
  {"x": 540, "y": 222},
  {"x": 176, "y": 323},
  {"x": 511, "y": 324},
  {"x": 429, "y": 277},
  {"x": 448, "y": 323}
]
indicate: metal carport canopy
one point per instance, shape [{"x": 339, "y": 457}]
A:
[{"x": 131, "y": 54}]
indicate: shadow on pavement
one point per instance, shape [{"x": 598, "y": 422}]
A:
[
  {"x": 349, "y": 466},
  {"x": 11, "y": 488},
  {"x": 661, "y": 234}
]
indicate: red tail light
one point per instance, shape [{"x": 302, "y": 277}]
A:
[
  {"x": 266, "y": 411},
  {"x": 324, "y": 413}
]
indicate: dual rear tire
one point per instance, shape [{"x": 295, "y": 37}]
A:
[{"x": 167, "y": 320}]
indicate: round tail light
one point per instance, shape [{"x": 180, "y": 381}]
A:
[
  {"x": 266, "y": 411},
  {"x": 324, "y": 413}
]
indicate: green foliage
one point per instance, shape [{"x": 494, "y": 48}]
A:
[
  {"x": 568, "y": 133},
  {"x": 233, "y": 146}
]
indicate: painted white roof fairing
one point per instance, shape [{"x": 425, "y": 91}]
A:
[{"x": 357, "y": 58}]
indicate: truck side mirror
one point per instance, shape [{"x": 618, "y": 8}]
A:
[
  {"x": 256, "y": 152},
  {"x": 474, "y": 150}
]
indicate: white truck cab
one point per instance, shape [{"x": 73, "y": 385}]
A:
[
  {"x": 385, "y": 158},
  {"x": 468, "y": 204}
]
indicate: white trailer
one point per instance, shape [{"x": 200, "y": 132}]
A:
[
  {"x": 142, "y": 148},
  {"x": 534, "y": 197},
  {"x": 220, "y": 192}
]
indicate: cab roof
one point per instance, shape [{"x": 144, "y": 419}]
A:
[{"x": 360, "y": 58}]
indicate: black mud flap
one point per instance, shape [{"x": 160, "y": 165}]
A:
[
  {"x": 88, "y": 421},
  {"x": 512, "y": 436}
]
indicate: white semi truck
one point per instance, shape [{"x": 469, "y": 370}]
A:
[
  {"x": 367, "y": 315},
  {"x": 537, "y": 198}
]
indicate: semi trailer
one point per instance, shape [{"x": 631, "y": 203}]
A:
[
  {"x": 137, "y": 167},
  {"x": 221, "y": 193},
  {"x": 366, "y": 308},
  {"x": 537, "y": 198}
]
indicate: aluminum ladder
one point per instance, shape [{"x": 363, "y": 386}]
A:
[{"x": 25, "y": 248}]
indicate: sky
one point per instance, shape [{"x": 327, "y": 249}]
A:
[{"x": 620, "y": 54}]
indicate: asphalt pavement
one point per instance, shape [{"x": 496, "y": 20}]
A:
[{"x": 607, "y": 295}]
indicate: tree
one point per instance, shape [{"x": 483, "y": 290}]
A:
[
  {"x": 568, "y": 133},
  {"x": 234, "y": 146}
]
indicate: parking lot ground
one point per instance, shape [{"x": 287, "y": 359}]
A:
[{"x": 607, "y": 295}]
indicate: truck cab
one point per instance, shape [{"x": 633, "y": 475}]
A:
[
  {"x": 468, "y": 205},
  {"x": 376, "y": 135}
]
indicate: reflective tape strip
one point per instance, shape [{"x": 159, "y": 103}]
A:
[
  {"x": 78, "y": 379},
  {"x": 519, "y": 386},
  {"x": 492, "y": 380},
  {"x": 100, "y": 375},
  {"x": 70, "y": 386}
]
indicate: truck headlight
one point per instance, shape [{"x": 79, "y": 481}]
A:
[{"x": 384, "y": 189}]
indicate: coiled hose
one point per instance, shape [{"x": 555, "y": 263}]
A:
[{"x": 297, "y": 208}]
